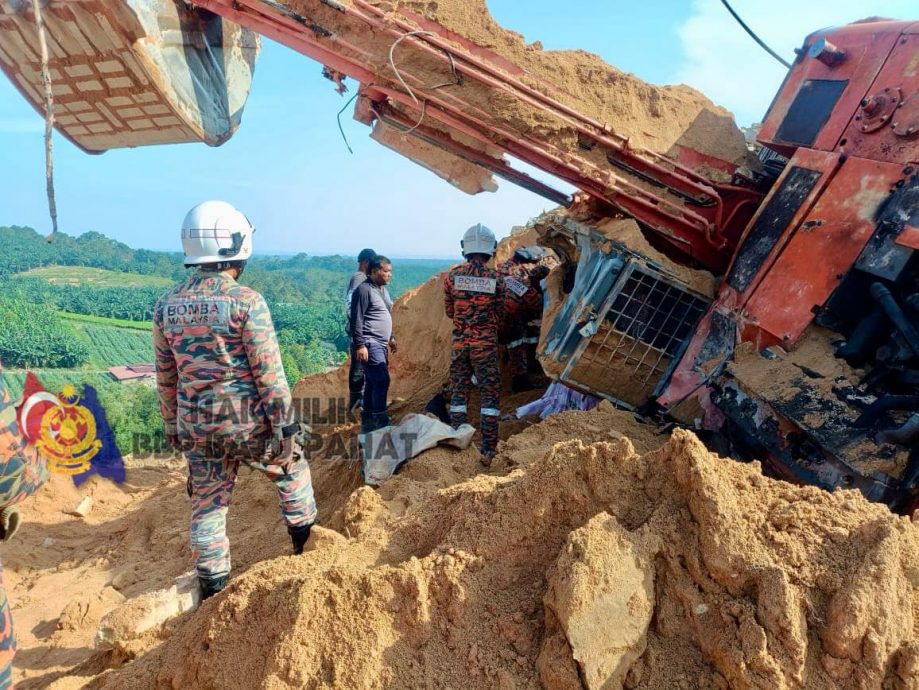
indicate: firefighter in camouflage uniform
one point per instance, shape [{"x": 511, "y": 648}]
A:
[
  {"x": 474, "y": 299},
  {"x": 22, "y": 472},
  {"x": 522, "y": 312},
  {"x": 520, "y": 300},
  {"x": 538, "y": 272},
  {"x": 223, "y": 392}
]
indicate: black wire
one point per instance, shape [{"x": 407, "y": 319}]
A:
[
  {"x": 342, "y": 129},
  {"x": 754, "y": 36}
]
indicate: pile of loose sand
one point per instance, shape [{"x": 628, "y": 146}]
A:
[
  {"x": 593, "y": 552},
  {"x": 578, "y": 558},
  {"x": 591, "y": 565},
  {"x": 663, "y": 119},
  {"x": 655, "y": 117}
]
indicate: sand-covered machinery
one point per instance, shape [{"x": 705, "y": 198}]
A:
[{"x": 770, "y": 296}]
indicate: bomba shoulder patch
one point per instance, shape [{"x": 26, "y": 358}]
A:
[
  {"x": 486, "y": 286},
  {"x": 194, "y": 311},
  {"x": 515, "y": 286}
]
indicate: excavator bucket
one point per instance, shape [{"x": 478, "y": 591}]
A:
[{"x": 131, "y": 72}]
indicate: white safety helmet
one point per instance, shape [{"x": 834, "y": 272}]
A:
[
  {"x": 479, "y": 240},
  {"x": 215, "y": 232}
]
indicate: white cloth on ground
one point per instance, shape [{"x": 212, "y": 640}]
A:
[
  {"x": 385, "y": 449},
  {"x": 558, "y": 398}
]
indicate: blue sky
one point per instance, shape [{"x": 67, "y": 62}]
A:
[{"x": 289, "y": 170}]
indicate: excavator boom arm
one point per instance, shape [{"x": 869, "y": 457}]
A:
[
  {"x": 139, "y": 72},
  {"x": 390, "y": 54}
]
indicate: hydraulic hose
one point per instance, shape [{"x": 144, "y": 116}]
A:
[
  {"x": 884, "y": 297},
  {"x": 866, "y": 337}
]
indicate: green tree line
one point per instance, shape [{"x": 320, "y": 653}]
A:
[{"x": 305, "y": 294}]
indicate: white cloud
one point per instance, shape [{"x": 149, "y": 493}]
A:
[{"x": 723, "y": 62}]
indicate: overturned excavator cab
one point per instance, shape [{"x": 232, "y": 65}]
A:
[
  {"x": 625, "y": 315},
  {"x": 133, "y": 72}
]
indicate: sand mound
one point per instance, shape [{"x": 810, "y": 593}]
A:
[
  {"x": 658, "y": 118},
  {"x": 591, "y": 565},
  {"x": 665, "y": 119},
  {"x": 626, "y": 231}
]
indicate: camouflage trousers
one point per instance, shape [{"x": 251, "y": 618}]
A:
[
  {"x": 7, "y": 641},
  {"x": 22, "y": 473},
  {"x": 517, "y": 353},
  {"x": 481, "y": 362},
  {"x": 211, "y": 482},
  {"x": 513, "y": 335}
]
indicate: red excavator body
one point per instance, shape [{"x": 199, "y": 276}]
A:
[{"x": 841, "y": 218}]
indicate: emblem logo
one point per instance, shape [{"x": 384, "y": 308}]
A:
[
  {"x": 517, "y": 287},
  {"x": 62, "y": 429}
]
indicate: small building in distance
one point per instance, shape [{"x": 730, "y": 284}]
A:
[{"x": 145, "y": 373}]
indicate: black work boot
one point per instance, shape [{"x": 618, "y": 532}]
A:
[
  {"x": 521, "y": 382},
  {"x": 299, "y": 536},
  {"x": 381, "y": 419},
  {"x": 366, "y": 421},
  {"x": 438, "y": 407},
  {"x": 355, "y": 402},
  {"x": 211, "y": 585}
]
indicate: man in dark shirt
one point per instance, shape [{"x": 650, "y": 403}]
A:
[
  {"x": 372, "y": 338},
  {"x": 356, "y": 368}
]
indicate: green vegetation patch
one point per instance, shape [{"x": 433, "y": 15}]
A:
[
  {"x": 32, "y": 335},
  {"x": 110, "y": 346},
  {"x": 54, "y": 379},
  {"x": 107, "y": 321},
  {"x": 98, "y": 277}
]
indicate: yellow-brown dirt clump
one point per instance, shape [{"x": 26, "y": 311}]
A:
[
  {"x": 589, "y": 566},
  {"x": 656, "y": 117}
]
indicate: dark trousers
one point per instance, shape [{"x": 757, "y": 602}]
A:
[
  {"x": 355, "y": 377},
  {"x": 376, "y": 379}
]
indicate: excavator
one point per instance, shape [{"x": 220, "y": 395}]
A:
[{"x": 805, "y": 354}]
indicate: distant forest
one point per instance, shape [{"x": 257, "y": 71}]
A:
[
  {"x": 75, "y": 306},
  {"x": 304, "y": 292}
]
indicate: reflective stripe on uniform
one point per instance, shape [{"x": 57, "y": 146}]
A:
[
  {"x": 532, "y": 340},
  {"x": 490, "y": 412},
  {"x": 458, "y": 409},
  {"x": 520, "y": 342}
]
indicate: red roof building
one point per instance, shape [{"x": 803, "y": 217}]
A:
[{"x": 133, "y": 372}]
